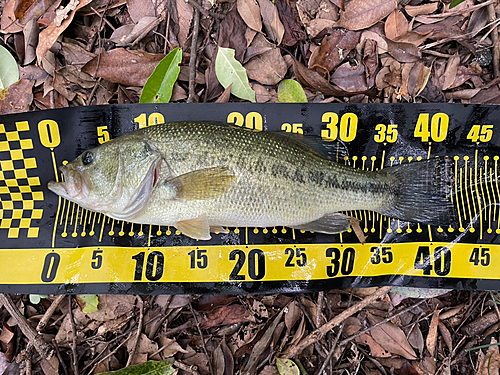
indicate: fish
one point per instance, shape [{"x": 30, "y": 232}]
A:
[{"x": 202, "y": 177}]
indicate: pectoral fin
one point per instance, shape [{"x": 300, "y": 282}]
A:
[
  {"x": 196, "y": 228},
  {"x": 208, "y": 183},
  {"x": 330, "y": 223}
]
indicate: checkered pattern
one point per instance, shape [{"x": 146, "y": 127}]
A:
[{"x": 18, "y": 199}]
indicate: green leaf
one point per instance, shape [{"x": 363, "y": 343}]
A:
[
  {"x": 9, "y": 72},
  {"x": 90, "y": 300},
  {"x": 287, "y": 367},
  {"x": 158, "y": 88},
  {"x": 229, "y": 70},
  {"x": 290, "y": 91},
  {"x": 454, "y": 3},
  {"x": 146, "y": 368},
  {"x": 36, "y": 298}
]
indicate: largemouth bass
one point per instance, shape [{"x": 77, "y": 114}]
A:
[{"x": 202, "y": 176}]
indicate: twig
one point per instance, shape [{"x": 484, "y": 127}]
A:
[
  {"x": 74, "y": 363},
  {"x": 203, "y": 11},
  {"x": 191, "y": 369},
  {"x": 202, "y": 339},
  {"x": 58, "y": 353},
  {"x": 105, "y": 20},
  {"x": 319, "y": 308},
  {"x": 50, "y": 311},
  {"x": 334, "y": 345},
  {"x": 321, "y": 331},
  {"x": 111, "y": 353},
  {"x": 44, "y": 349},
  {"x": 139, "y": 329},
  {"x": 192, "y": 58},
  {"x": 28, "y": 362},
  {"x": 494, "y": 36},
  {"x": 146, "y": 31}
]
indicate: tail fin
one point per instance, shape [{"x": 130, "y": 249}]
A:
[{"x": 421, "y": 192}]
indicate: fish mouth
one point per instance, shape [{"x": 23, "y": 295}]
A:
[{"x": 72, "y": 185}]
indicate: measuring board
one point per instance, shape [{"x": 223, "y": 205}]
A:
[{"x": 51, "y": 246}]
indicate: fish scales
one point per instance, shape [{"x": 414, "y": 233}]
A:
[{"x": 279, "y": 181}]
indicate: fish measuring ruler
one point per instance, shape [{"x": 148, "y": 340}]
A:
[{"x": 50, "y": 245}]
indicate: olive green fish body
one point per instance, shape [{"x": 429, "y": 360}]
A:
[{"x": 202, "y": 176}]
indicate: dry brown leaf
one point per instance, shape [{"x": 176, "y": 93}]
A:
[
  {"x": 490, "y": 364},
  {"x": 48, "y": 36},
  {"x": 289, "y": 18},
  {"x": 272, "y": 23},
  {"x": 417, "y": 10},
  {"x": 232, "y": 35},
  {"x": 462, "y": 94},
  {"x": 258, "y": 46},
  {"x": 226, "y": 315},
  {"x": 50, "y": 366},
  {"x": 185, "y": 12},
  {"x": 112, "y": 306},
  {"x": 264, "y": 95},
  {"x": 17, "y": 97},
  {"x": 419, "y": 76},
  {"x": 249, "y": 11},
  {"x": 431, "y": 339},
  {"x": 391, "y": 338},
  {"x": 268, "y": 68},
  {"x": 9, "y": 23},
  {"x": 333, "y": 50},
  {"x": 351, "y": 79},
  {"x": 141, "y": 8},
  {"x": 224, "y": 97},
  {"x": 416, "y": 339},
  {"x": 312, "y": 79},
  {"x": 317, "y": 25},
  {"x": 450, "y": 72},
  {"x": 127, "y": 67},
  {"x": 396, "y": 25},
  {"x": 361, "y": 14},
  {"x": 370, "y": 61},
  {"x": 446, "y": 335},
  {"x": 375, "y": 349}
]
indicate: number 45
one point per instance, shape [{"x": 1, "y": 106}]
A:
[{"x": 481, "y": 133}]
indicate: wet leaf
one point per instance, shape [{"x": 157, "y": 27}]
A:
[
  {"x": 391, "y": 338},
  {"x": 250, "y": 13},
  {"x": 87, "y": 302},
  {"x": 128, "y": 67},
  {"x": 361, "y": 14},
  {"x": 158, "y": 88},
  {"x": 290, "y": 91},
  {"x": 9, "y": 72},
  {"x": 17, "y": 97},
  {"x": 149, "y": 368},
  {"x": 230, "y": 71},
  {"x": 287, "y": 367}
]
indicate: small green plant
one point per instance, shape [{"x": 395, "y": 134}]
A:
[{"x": 159, "y": 86}]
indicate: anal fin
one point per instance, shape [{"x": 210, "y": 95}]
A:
[
  {"x": 329, "y": 223},
  {"x": 196, "y": 228}
]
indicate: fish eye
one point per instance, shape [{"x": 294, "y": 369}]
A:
[{"x": 87, "y": 158}]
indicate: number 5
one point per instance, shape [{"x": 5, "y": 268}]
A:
[{"x": 103, "y": 134}]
